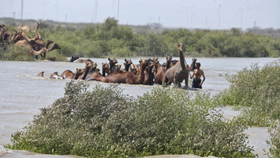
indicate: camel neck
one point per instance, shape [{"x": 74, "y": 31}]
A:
[{"x": 85, "y": 73}]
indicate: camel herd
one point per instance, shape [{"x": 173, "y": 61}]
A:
[
  {"x": 34, "y": 46},
  {"x": 148, "y": 71}
]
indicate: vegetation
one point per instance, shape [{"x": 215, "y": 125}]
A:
[
  {"x": 13, "y": 54},
  {"x": 274, "y": 143},
  {"x": 257, "y": 90},
  {"x": 106, "y": 123},
  {"x": 111, "y": 39}
]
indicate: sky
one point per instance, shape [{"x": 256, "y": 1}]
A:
[{"x": 202, "y": 14}]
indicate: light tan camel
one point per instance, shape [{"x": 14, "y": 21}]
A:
[{"x": 28, "y": 28}]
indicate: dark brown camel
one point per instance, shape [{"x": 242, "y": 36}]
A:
[
  {"x": 177, "y": 73},
  {"x": 149, "y": 75},
  {"x": 112, "y": 63},
  {"x": 127, "y": 65},
  {"x": 73, "y": 58}
]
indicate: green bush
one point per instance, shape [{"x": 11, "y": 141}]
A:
[
  {"x": 257, "y": 89},
  {"x": 19, "y": 54},
  {"x": 274, "y": 143},
  {"x": 106, "y": 123}
]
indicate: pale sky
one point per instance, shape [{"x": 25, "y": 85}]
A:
[{"x": 170, "y": 13}]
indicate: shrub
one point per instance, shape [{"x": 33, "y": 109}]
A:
[
  {"x": 257, "y": 89},
  {"x": 106, "y": 123},
  {"x": 13, "y": 54},
  {"x": 274, "y": 143}
]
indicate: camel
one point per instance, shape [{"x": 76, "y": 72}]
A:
[
  {"x": 92, "y": 69},
  {"x": 41, "y": 74},
  {"x": 127, "y": 65},
  {"x": 55, "y": 46},
  {"x": 149, "y": 75},
  {"x": 2, "y": 26},
  {"x": 36, "y": 53},
  {"x": 159, "y": 73},
  {"x": 112, "y": 63},
  {"x": 84, "y": 61},
  {"x": 105, "y": 69},
  {"x": 84, "y": 75},
  {"x": 68, "y": 74},
  {"x": 128, "y": 77},
  {"x": 4, "y": 34},
  {"x": 96, "y": 76},
  {"x": 135, "y": 69},
  {"x": 192, "y": 67},
  {"x": 168, "y": 61},
  {"x": 177, "y": 73},
  {"x": 51, "y": 59},
  {"x": 73, "y": 58},
  {"x": 56, "y": 76},
  {"x": 28, "y": 28}
]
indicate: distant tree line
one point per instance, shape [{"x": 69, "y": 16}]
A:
[{"x": 111, "y": 39}]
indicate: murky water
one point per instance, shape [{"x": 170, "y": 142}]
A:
[{"x": 23, "y": 93}]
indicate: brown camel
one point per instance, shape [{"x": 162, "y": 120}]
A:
[
  {"x": 92, "y": 69},
  {"x": 84, "y": 61},
  {"x": 28, "y": 28},
  {"x": 84, "y": 75},
  {"x": 177, "y": 73},
  {"x": 159, "y": 73},
  {"x": 68, "y": 74},
  {"x": 56, "y": 76},
  {"x": 105, "y": 69},
  {"x": 192, "y": 67},
  {"x": 127, "y": 65},
  {"x": 136, "y": 69},
  {"x": 128, "y": 77},
  {"x": 41, "y": 74},
  {"x": 112, "y": 63}
]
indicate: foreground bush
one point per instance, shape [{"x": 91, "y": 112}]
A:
[
  {"x": 257, "y": 89},
  {"x": 105, "y": 123},
  {"x": 274, "y": 143}
]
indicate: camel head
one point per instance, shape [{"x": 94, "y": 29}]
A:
[
  {"x": 127, "y": 62},
  {"x": 112, "y": 61},
  {"x": 194, "y": 60},
  {"x": 180, "y": 46},
  {"x": 2, "y": 26},
  {"x": 143, "y": 62},
  {"x": 80, "y": 71},
  {"x": 155, "y": 58},
  {"x": 151, "y": 63},
  {"x": 88, "y": 64},
  {"x": 94, "y": 65},
  {"x": 41, "y": 74},
  {"x": 105, "y": 67},
  {"x": 168, "y": 58}
]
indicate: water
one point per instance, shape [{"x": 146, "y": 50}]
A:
[{"x": 23, "y": 93}]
